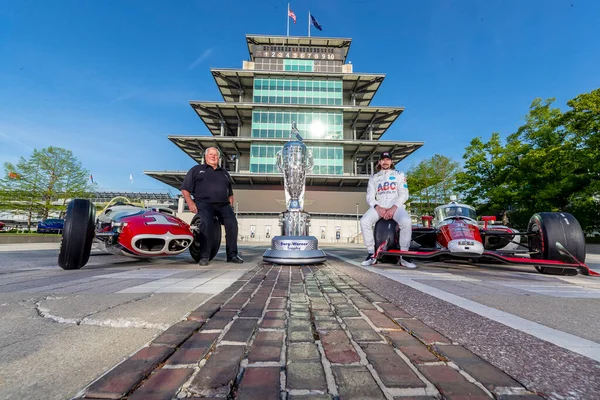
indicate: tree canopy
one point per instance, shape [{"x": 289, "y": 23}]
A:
[
  {"x": 552, "y": 163},
  {"x": 431, "y": 183},
  {"x": 43, "y": 182}
]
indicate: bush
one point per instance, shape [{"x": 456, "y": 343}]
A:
[{"x": 592, "y": 239}]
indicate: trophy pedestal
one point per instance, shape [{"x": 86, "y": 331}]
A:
[
  {"x": 293, "y": 250},
  {"x": 294, "y": 246}
]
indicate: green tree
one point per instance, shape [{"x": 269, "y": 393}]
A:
[
  {"x": 43, "y": 183},
  {"x": 484, "y": 178},
  {"x": 583, "y": 123},
  {"x": 550, "y": 164},
  {"x": 431, "y": 182},
  {"x": 445, "y": 170}
]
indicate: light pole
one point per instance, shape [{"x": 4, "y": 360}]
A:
[{"x": 356, "y": 223}]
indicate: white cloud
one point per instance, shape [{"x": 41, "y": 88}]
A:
[
  {"x": 125, "y": 96},
  {"x": 14, "y": 140},
  {"x": 202, "y": 57},
  {"x": 157, "y": 96}
]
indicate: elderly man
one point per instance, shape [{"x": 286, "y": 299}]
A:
[{"x": 211, "y": 187}]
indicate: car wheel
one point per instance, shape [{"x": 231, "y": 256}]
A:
[
  {"x": 214, "y": 241},
  {"x": 552, "y": 227},
  {"x": 386, "y": 230},
  {"x": 77, "y": 234}
]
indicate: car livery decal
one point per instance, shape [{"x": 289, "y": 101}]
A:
[{"x": 387, "y": 187}]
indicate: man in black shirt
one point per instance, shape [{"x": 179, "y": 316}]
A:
[{"x": 213, "y": 195}]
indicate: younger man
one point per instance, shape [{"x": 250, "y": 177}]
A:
[{"x": 386, "y": 194}]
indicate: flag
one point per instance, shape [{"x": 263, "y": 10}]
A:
[
  {"x": 292, "y": 15},
  {"x": 92, "y": 178},
  {"x": 315, "y": 23}
]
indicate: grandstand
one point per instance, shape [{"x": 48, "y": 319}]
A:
[{"x": 155, "y": 198}]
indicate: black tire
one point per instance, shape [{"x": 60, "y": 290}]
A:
[
  {"x": 77, "y": 235},
  {"x": 215, "y": 240},
  {"x": 386, "y": 230},
  {"x": 552, "y": 227}
]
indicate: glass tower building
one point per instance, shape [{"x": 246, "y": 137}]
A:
[{"x": 306, "y": 80}]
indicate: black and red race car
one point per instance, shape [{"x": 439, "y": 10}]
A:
[
  {"x": 555, "y": 243},
  {"x": 127, "y": 229}
]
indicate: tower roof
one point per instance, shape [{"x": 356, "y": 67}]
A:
[
  {"x": 232, "y": 82},
  {"x": 343, "y": 44},
  {"x": 195, "y": 146},
  {"x": 175, "y": 178},
  {"x": 360, "y": 118}
]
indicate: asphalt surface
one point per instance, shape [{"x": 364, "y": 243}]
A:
[
  {"x": 568, "y": 304},
  {"x": 61, "y": 330},
  {"x": 492, "y": 312}
]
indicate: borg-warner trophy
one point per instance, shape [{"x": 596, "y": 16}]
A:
[{"x": 294, "y": 245}]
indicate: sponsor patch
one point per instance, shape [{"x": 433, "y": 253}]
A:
[{"x": 387, "y": 187}]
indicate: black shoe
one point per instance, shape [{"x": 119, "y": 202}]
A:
[
  {"x": 235, "y": 260},
  {"x": 203, "y": 261}
]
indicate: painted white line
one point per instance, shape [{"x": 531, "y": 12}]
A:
[
  {"x": 28, "y": 246},
  {"x": 565, "y": 340},
  {"x": 213, "y": 281},
  {"x": 563, "y": 290}
]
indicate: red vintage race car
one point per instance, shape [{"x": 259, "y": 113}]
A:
[
  {"x": 555, "y": 243},
  {"x": 123, "y": 228}
]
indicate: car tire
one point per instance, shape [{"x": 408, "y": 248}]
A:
[
  {"x": 77, "y": 234},
  {"x": 215, "y": 240},
  {"x": 552, "y": 227},
  {"x": 386, "y": 230}
]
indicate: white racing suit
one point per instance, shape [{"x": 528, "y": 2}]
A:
[{"x": 387, "y": 188}]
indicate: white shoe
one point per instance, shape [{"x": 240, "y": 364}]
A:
[
  {"x": 406, "y": 263},
  {"x": 370, "y": 260}
]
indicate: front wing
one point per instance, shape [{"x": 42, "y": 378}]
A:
[{"x": 491, "y": 256}]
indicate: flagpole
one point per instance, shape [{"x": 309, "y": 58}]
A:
[
  {"x": 309, "y": 24},
  {"x": 288, "y": 20}
]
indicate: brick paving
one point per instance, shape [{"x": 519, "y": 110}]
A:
[{"x": 300, "y": 333}]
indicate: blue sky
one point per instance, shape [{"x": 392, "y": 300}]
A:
[{"x": 111, "y": 79}]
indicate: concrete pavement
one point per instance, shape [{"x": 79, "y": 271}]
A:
[{"x": 59, "y": 330}]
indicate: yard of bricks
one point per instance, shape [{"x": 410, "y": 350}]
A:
[{"x": 299, "y": 333}]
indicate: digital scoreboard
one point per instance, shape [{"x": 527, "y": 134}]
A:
[{"x": 299, "y": 52}]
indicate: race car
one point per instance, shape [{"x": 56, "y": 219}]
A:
[
  {"x": 131, "y": 230},
  {"x": 555, "y": 241}
]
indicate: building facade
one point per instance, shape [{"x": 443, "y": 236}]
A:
[{"x": 306, "y": 80}]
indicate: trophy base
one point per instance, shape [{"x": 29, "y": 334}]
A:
[{"x": 294, "y": 250}]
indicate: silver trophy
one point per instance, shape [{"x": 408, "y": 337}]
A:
[
  {"x": 294, "y": 246},
  {"x": 294, "y": 160}
]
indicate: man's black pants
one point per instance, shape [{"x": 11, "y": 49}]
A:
[{"x": 224, "y": 212}]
